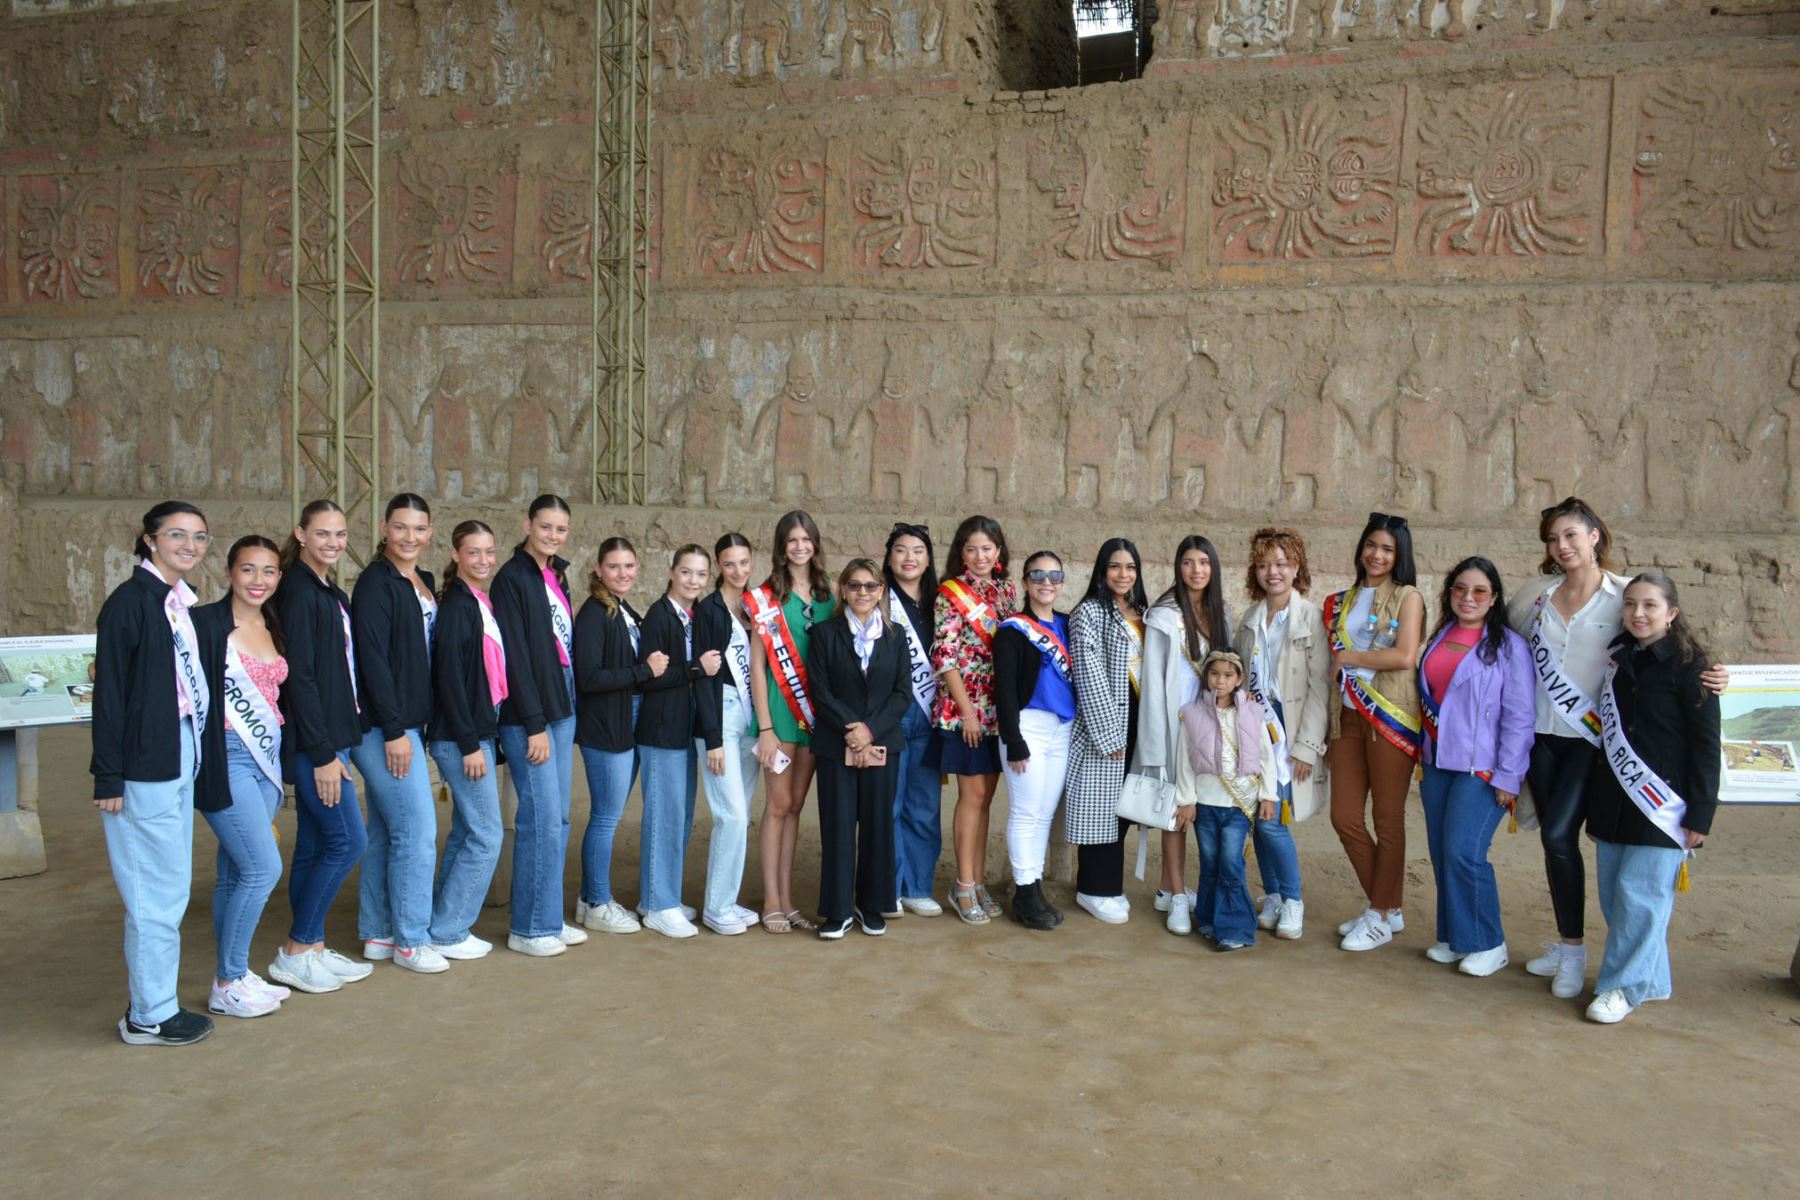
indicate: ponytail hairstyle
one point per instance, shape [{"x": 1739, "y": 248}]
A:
[
  {"x": 548, "y": 500},
  {"x": 681, "y": 552},
  {"x": 596, "y": 586},
  {"x": 271, "y": 614},
  {"x": 290, "y": 551},
  {"x": 1493, "y": 630},
  {"x": 464, "y": 531},
  {"x": 928, "y": 582},
  {"x": 729, "y": 541},
  {"x": 1574, "y": 506},
  {"x": 1209, "y": 615},
  {"x": 1687, "y": 646},
  {"x": 401, "y": 502},
  {"x": 781, "y": 577},
  {"x": 859, "y": 566},
  {"x": 153, "y": 523}
]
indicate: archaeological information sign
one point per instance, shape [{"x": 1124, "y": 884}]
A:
[
  {"x": 1760, "y": 735},
  {"x": 46, "y": 680}
]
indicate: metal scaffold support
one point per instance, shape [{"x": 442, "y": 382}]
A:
[
  {"x": 621, "y": 247},
  {"x": 335, "y": 243}
]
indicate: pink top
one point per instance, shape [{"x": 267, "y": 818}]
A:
[
  {"x": 268, "y": 678},
  {"x": 493, "y": 650},
  {"x": 1446, "y": 656}
]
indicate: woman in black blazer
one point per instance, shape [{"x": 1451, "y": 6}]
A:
[{"x": 861, "y": 678}]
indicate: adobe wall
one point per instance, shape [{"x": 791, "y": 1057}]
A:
[{"x": 1450, "y": 259}]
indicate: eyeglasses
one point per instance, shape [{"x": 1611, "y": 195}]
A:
[
  {"x": 182, "y": 537},
  {"x": 1478, "y": 592},
  {"x": 1043, "y": 576},
  {"x": 862, "y": 586},
  {"x": 1386, "y": 521}
]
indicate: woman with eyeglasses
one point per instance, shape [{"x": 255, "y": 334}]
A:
[
  {"x": 861, "y": 689},
  {"x": 1034, "y": 702},
  {"x": 1106, "y": 642},
  {"x": 910, "y": 570},
  {"x": 1375, "y": 628},
  {"x": 967, "y": 612},
  {"x": 784, "y": 610}
]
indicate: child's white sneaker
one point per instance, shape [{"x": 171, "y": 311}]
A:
[
  {"x": 1181, "y": 915},
  {"x": 1268, "y": 911},
  {"x": 1293, "y": 915}
]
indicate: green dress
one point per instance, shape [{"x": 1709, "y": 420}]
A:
[{"x": 781, "y": 717}]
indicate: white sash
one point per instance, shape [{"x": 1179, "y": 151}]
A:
[
  {"x": 251, "y": 716},
  {"x": 631, "y": 626},
  {"x": 350, "y": 657},
  {"x": 1277, "y": 734},
  {"x": 1661, "y": 804},
  {"x": 738, "y": 654},
  {"x": 181, "y": 628},
  {"x": 687, "y": 627},
  {"x": 1564, "y": 695},
  {"x": 560, "y": 622},
  {"x": 1135, "y": 664},
  {"x": 924, "y": 679}
]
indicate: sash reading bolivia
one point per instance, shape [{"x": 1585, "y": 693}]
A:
[
  {"x": 1398, "y": 727},
  {"x": 1562, "y": 692},
  {"x": 783, "y": 653}
]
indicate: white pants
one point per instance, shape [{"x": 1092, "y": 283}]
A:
[
  {"x": 728, "y": 796},
  {"x": 1031, "y": 797}
]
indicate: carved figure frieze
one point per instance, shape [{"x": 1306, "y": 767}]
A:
[
  {"x": 187, "y": 233},
  {"x": 449, "y": 229},
  {"x": 69, "y": 237},
  {"x": 921, "y": 208},
  {"x": 758, "y": 212},
  {"x": 761, "y": 40},
  {"x": 492, "y": 52},
  {"x": 566, "y": 229},
  {"x": 274, "y": 246},
  {"x": 1716, "y": 165},
  {"x": 1110, "y": 199}
]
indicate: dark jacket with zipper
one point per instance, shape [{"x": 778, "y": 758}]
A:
[
  {"x": 1017, "y": 664},
  {"x": 136, "y": 730},
  {"x": 669, "y": 718},
  {"x": 535, "y": 695},
  {"x": 712, "y": 631},
  {"x": 214, "y": 623},
  {"x": 842, "y": 694},
  {"x": 607, "y": 676},
  {"x": 463, "y": 708},
  {"x": 392, "y": 660},
  {"x": 1672, "y": 721},
  {"x": 317, "y": 701}
]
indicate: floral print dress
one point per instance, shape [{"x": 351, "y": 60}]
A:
[{"x": 959, "y": 645}]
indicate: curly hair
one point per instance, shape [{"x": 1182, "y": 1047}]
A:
[{"x": 1289, "y": 542}]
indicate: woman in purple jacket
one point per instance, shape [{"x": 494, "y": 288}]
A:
[{"x": 1475, "y": 681}]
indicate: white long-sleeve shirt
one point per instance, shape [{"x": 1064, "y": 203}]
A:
[{"x": 1210, "y": 789}]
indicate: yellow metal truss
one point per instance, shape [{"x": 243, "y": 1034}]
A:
[{"x": 622, "y": 219}]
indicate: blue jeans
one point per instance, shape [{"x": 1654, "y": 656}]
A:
[
  {"x": 1276, "y": 858},
  {"x": 540, "y": 836},
  {"x": 1222, "y": 903},
  {"x": 471, "y": 850},
  {"x": 918, "y": 816},
  {"x": 610, "y": 775},
  {"x": 249, "y": 862},
  {"x": 1637, "y": 897},
  {"x": 328, "y": 843},
  {"x": 150, "y": 843},
  {"x": 728, "y": 799},
  {"x": 1460, "y": 820},
  {"x": 395, "y": 890},
  {"x": 668, "y": 811}
]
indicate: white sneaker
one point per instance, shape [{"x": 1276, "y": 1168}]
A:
[
  {"x": 1568, "y": 966},
  {"x": 1395, "y": 920},
  {"x": 1484, "y": 962},
  {"x": 304, "y": 972},
  {"x": 1109, "y": 909},
  {"x": 423, "y": 959},
  {"x": 1610, "y": 1007},
  {"x": 378, "y": 949},
  {"x": 922, "y": 906},
  {"x": 610, "y": 917},
  {"x": 1162, "y": 899},
  {"x": 670, "y": 922},
  {"x": 548, "y": 946},
  {"x": 1370, "y": 932},
  {"x": 257, "y": 983},
  {"x": 688, "y": 912},
  {"x": 470, "y": 947},
  {"x": 1181, "y": 916},
  {"x": 1442, "y": 953},
  {"x": 239, "y": 999},
  {"x": 1268, "y": 911},
  {"x": 343, "y": 968},
  {"x": 725, "y": 924},
  {"x": 572, "y": 935},
  {"x": 1293, "y": 916},
  {"x": 745, "y": 916}
]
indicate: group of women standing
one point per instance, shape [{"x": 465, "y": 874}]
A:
[{"x": 1588, "y": 694}]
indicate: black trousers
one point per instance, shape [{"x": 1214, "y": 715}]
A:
[
  {"x": 1100, "y": 868},
  {"x": 856, "y": 828},
  {"x": 1558, "y": 775}
]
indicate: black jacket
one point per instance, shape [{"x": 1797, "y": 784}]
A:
[
  {"x": 607, "y": 675},
  {"x": 214, "y": 624},
  {"x": 1016, "y": 666},
  {"x": 669, "y": 718},
  {"x": 463, "y": 709},
  {"x": 842, "y": 695},
  {"x": 136, "y": 732},
  {"x": 392, "y": 660},
  {"x": 1672, "y": 721},
  {"x": 712, "y": 631},
  {"x": 535, "y": 695},
  {"x": 317, "y": 701}
]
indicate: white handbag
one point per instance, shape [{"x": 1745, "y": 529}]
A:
[{"x": 1148, "y": 800}]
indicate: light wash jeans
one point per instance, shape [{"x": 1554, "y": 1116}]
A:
[
  {"x": 728, "y": 797},
  {"x": 541, "y": 825},
  {"x": 668, "y": 810},
  {"x": 1031, "y": 798},
  {"x": 471, "y": 850},
  {"x": 1460, "y": 820},
  {"x": 610, "y": 776},
  {"x": 249, "y": 860},
  {"x": 150, "y": 843},
  {"x": 1222, "y": 909},
  {"x": 1277, "y": 859},
  {"x": 395, "y": 889},
  {"x": 918, "y": 815},
  {"x": 1637, "y": 897},
  {"x": 328, "y": 843}
]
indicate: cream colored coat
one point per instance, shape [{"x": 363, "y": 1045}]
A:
[
  {"x": 1307, "y": 696},
  {"x": 1167, "y": 677}
]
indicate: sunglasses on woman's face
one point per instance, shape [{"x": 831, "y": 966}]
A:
[
  {"x": 861, "y": 586},
  {"x": 1043, "y": 576}
]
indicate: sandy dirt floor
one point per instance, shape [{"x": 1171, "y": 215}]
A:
[{"x": 938, "y": 1060}]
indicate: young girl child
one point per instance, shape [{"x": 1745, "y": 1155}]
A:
[
  {"x": 912, "y": 584},
  {"x": 967, "y": 612},
  {"x": 1476, "y": 688},
  {"x": 240, "y": 766},
  {"x": 783, "y": 613},
  {"x": 1180, "y": 630},
  {"x": 607, "y": 678},
  {"x": 668, "y": 722},
  {"x": 1225, "y": 772},
  {"x": 1652, "y": 795},
  {"x": 1106, "y": 638},
  {"x": 1375, "y": 628},
  {"x": 537, "y": 724},
  {"x": 392, "y": 612},
  {"x": 150, "y": 705},
  {"x": 468, "y": 671},
  {"x": 1287, "y": 661},
  {"x": 1034, "y": 702},
  {"x": 730, "y": 775},
  {"x": 861, "y": 689}
]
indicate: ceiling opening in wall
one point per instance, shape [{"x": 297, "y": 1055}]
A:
[{"x": 1113, "y": 38}]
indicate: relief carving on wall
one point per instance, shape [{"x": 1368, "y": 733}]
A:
[
  {"x": 449, "y": 230},
  {"x": 69, "y": 237},
  {"x": 187, "y": 234},
  {"x": 565, "y": 241},
  {"x": 1716, "y": 166},
  {"x": 274, "y": 249},
  {"x": 757, "y": 212},
  {"x": 1110, "y": 199},
  {"x": 914, "y": 208}
]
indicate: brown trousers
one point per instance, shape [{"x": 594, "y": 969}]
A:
[{"x": 1364, "y": 764}]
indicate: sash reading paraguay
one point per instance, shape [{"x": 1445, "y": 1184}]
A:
[
  {"x": 1045, "y": 640},
  {"x": 785, "y": 661},
  {"x": 1399, "y": 727},
  {"x": 1563, "y": 693},
  {"x": 972, "y": 609},
  {"x": 252, "y": 718},
  {"x": 924, "y": 679},
  {"x": 1661, "y": 804}
]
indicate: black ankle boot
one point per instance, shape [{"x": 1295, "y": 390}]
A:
[{"x": 1030, "y": 909}]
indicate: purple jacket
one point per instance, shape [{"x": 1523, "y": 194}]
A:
[{"x": 1488, "y": 713}]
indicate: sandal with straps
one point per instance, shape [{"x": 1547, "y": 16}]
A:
[
  {"x": 966, "y": 903},
  {"x": 799, "y": 921},
  {"x": 989, "y": 905},
  {"x": 777, "y": 923}
]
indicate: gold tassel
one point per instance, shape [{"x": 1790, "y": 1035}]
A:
[
  {"x": 1512, "y": 821},
  {"x": 443, "y": 792},
  {"x": 1681, "y": 877},
  {"x": 276, "y": 830},
  {"x": 1287, "y": 812}
]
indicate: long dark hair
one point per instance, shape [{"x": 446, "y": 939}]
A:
[
  {"x": 153, "y": 523},
  {"x": 1575, "y": 506},
  {"x": 1395, "y": 527},
  {"x": 596, "y": 586},
  {"x": 290, "y": 550},
  {"x": 1687, "y": 645},
  {"x": 547, "y": 500},
  {"x": 271, "y": 614},
  {"x": 953, "y": 562},
  {"x": 1493, "y": 629},
  {"x": 928, "y": 582},
  {"x": 463, "y": 532},
  {"x": 1211, "y": 612},
  {"x": 728, "y": 541},
  {"x": 1097, "y": 589},
  {"x": 402, "y": 501},
  {"x": 781, "y": 579}
]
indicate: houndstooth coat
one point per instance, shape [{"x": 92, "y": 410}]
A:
[{"x": 1100, "y": 644}]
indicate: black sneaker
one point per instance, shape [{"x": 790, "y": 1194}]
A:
[
  {"x": 183, "y": 1029},
  {"x": 831, "y": 931},
  {"x": 874, "y": 924}
]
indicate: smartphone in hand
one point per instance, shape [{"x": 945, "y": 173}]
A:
[{"x": 782, "y": 762}]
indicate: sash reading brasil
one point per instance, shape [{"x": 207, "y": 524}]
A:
[
  {"x": 924, "y": 679},
  {"x": 783, "y": 653},
  {"x": 1398, "y": 727}
]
